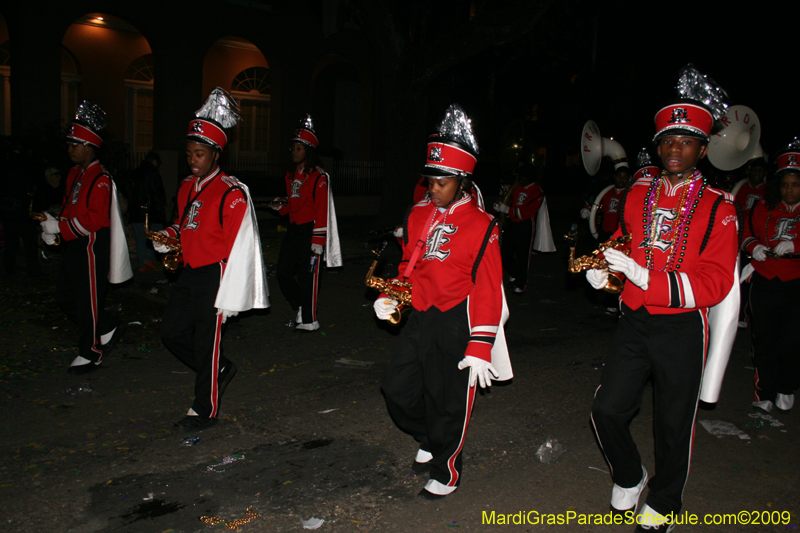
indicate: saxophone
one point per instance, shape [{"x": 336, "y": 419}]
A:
[
  {"x": 41, "y": 217},
  {"x": 394, "y": 289},
  {"x": 594, "y": 260},
  {"x": 170, "y": 261}
]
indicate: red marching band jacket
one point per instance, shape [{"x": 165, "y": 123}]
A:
[
  {"x": 748, "y": 196},
  {"x": 87, "y": 204},
  {"x": 460, "y": 260},
  {"x": 307, "y": 195},
  {"x": 609, "y": 206},
  {"x": 768, "y": 227},
  {"x": 211, "y": 222},
  {"x": 705, "y": 260},
  {"x": 525, "y": 202}
]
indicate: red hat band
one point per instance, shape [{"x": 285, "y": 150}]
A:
[
  {"x": 207, "y": 132},
  {"x": 789, "y": 161},
  {"x": 306, "y": 137},
  {"x": 450, "y": 158},
  {"x": 684, "y": 116},
  {"x": 83, "y": 135},
  {"x": 646, "y": 172}
]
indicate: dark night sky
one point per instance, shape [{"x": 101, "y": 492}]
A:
[{"x": 621, "y": 78}]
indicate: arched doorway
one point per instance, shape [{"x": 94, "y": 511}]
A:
[
  {"x": 112, "y": 63},
  {"x": 238, "y": 66}
]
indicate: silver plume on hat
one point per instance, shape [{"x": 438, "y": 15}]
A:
[
  {"x": 457, "y": 126},
  {"x": 221, "y": 108},
  {"x": 694, "y": 85},
  {"x": 643, "y": 159},
  {"x": 91, "y": 115},
  {"x": 307, "y": 124}
]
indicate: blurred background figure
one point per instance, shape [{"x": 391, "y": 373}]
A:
[{"x": 145, "y": 194}]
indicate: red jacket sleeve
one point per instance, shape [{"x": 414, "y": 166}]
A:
[
  {"x": 320, "y": 194},
  {"x": 485, "y": 302},
  {"x": 751, "y": 240},
  {"x": 233, "y": 212},
  {"x": 709, "y": 282}
]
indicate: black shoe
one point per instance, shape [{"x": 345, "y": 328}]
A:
[
  {"x": 428, "y": 495},
  {"x": 194, "y": 423},
  {"x": 80, "y": 370},
  {"x": 225, "y": 377},
  {"x": 108, "y": 347},
  {"x": 420, "y": 468}
]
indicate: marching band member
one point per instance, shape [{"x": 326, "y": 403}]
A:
[
  {"x": 748, "y": 195},
  {"x": 753, "y": 189},
  {"x": 526, "y": 199},
  {"x": 454, "y": 338},
  {"x": 771, "y": 235},
  {"x": 312, "y": 228},
  {"x": 95, "y": 250},
  {"x": 682, "y": 262},
  {"x": 223, "y": 273}
]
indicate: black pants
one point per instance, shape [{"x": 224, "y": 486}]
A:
[
  {"x": 776, "y": 315},
  {"x": 192, "y": 331},
  {"x": 517, "y": 249},
  {"x": 671, "y": 349},
  {"x": 426, "y": 394},
  {"x": 298, "y": 284},
  {"x": 81, "y": 289}
]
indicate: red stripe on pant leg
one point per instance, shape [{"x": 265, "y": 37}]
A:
[
  {"x": 452, "y": 460},
  {"x": 315, "y": 291},
  {"x": 215, "y": 357},
  {"x": 92, "y": 264},
  {"x": 704, "y": 318},
  {"x": 215, "y": 368}
]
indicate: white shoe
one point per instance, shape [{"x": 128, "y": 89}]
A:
[
  {"x": 784, "y": 402},
  {"x": 511, "y": 280},
  {"x": 299, "y": 318},
  {"x": 743, "y": 324},
  {"x": 518, "y": 290},
  {"x": 764, "y": 405},
  {"x": 314, "y": 326},
  {"x": 623, "y": 499}
]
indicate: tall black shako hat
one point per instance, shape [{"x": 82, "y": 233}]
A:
[
  {"x": 788, "y": 159},
  {"x": 219, "y": 112},
  {"x": 89, "y": 120},
  {"x": 452, "y": 150},
  {"x": 305, "y": 133},
  {"x": 701, "y": 103}
]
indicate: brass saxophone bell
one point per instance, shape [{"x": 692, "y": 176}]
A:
[{"x": 616, "y": 281}]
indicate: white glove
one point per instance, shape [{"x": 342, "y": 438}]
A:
[
  {"x": 49, "y": 238},
  {"x": 597, "y": 278},
  {"x": 276, "y": 204},
  {"x": 398, "y": 232},
  {"x": 384, "y": 307},
  {"x": 619, "y": 262},
  {"x": 784, "y": 247},
  {"x": 501, "y": 207},
  {"x": 480, "y": 370},
  {"x": 316, "y": 249},
  {"x": 50, "y": 225},
  {"x": 759, "y": 252},
  {"x": 161, "y": 248},
  {"x": 226, "y": 314},
  {"x": 585, "y": 212}
]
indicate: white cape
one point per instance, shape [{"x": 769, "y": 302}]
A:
[
  {"x": 543, "y": 240},
  {"x": 244, "y": 283},
  {"x": 119, "y": 269},
  {"x": 723, "y": 322},
  {"x": 500, "y": 358},
  {"x": 333, "y": 248}
]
